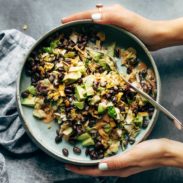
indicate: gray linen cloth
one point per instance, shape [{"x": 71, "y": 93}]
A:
[{"x": 13, "y": 47}]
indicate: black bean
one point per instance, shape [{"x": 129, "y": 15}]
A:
[
  {"x": 87, "y": 107},
  {"x": 28, "y": 72},
  {"x": 51, "y": 78},
  {"x": 25, "y": 94},
  {"x": 80, "y": 38},
  {"x": 93, "y": 39},
  {"x": 58, "y": 130},
  {"x": 100, "y": 69},
  {"x": 34, "y": 68},
  {"x": 129, "y": 70},
  {"x": 93, "y": 155},
  {"x": 68, "y": 91},
  {"x": 93, "y": 133},
  {"x": 131, "y": 140},
  {"x": 58, "y": 139},
  {"x": 65, "y": 152},
  {"x": 67, "y": 109},
  {"x": 151, "y": 109},
  {"x": 99, "y": 145},
  {"x": 115, "y": 88},
  {"x": 61, "y": 69},
  {"x": 121, "y": 108},
  {"x": 117, "y": 52},
  {"x": 33, "y": 80},
  {"x": 79, "y": 80},
  {"x": 143, "y": 74},
  {"x": 108, "y": 96},
  {"x": 100, "y": 156},
  {"x": 103, "y": 84},
  {"x": 70, "y": 87},
  {"x": 114, "y": 99},
  {"x": 76, "y": 150},
  {"x": 133, "y": 61},
  {"x": 85, "y": 38},
  {"x": 92, "y": 122},
  {"x": 68, "y": 60},
  {"x": 42, "y": 90},
  {"x": 61, "y": 76},
  {"x": 56, "y": 83},
  {"x": 111, "y": 91},
  {"x": 87, "y": 152},
  {"x": 145, "y": 123},
  {"x": 125, "y": 143}
]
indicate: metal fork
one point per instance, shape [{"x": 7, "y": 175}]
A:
[
  {"x": 175, "y": 121},
  {"x": 157, "y": 105}
]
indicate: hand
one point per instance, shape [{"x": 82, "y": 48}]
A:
[
  {"x": 147, "y": 30},
  {"x": 155, "y": 34},
  {"x": 144, "y": 156}
]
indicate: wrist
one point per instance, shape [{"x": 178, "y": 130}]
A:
[
  {"x": 172, "y": 153},
  {"x": 168, "y": 33}
]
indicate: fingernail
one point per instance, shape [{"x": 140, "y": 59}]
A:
[
  {"x": 103, "y": 166},
  {"x": 62, "y": 20},
  {"x": 66, "y": 168},
  {"x": 96, "y": 16}
]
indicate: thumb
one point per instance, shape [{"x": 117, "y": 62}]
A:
[{"x": 117, "y": 162}]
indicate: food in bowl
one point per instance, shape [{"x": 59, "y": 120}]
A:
[{"x": 75, "y": 82}]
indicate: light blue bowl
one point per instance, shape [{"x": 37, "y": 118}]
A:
[{"x": 38, "y": 131}]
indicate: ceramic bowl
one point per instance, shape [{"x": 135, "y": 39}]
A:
[{"x": 39, "y": 132}]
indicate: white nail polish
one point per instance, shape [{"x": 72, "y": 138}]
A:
[
  {"x": 102, "y": 166},
  {"x": 67, "y": 169},
  {"x": 96, "y": 16}
]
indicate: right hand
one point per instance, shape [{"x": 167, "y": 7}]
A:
[{"x": 149, "y": 31}]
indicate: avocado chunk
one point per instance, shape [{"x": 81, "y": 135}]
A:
[
  {"x": 88, "y": 80},
  {"x": 79, "y": 105},
  {"x": 81, "y": 69},
  {"x": 89, "y": 90},
  {"x": 113, "y": 148},
  {"x": 102, "y": 107},
  {"x": 95, "y": 99},
  {"x": 117, "y": 113},
  {"x": 32, "y": 90},
  {"x": 29, "y": 101},
  {"x": 67, "y": 131},
  {"x": 138, "y": 120},
  {"x": 88, "y": 142},
  {"x": 80, "y": 92},
  {"x": 112, "y": 112},
  {"x": 110, "y": 49},
  {"x": 72, "y": 77},
  {"x": 69, "y": 54},
  {"x": 83, "y": 137},
  {"x": 95, "y": 55},
  {"x": 39, "y": 114}
]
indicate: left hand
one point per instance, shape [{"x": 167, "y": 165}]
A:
[{"x": 144, "y": 156}]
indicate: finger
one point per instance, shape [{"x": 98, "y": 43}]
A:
[
  {"x": 117, "y": 162},
  {"x": 92, "y": 171},
  {"x": 79, "y": 16},
  {"x": 107, "y": 16}
]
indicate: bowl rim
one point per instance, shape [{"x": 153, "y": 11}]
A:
[{"x": 50, "y": 151}]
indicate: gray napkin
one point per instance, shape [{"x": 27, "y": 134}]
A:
[{"x": 13, "y": 47}]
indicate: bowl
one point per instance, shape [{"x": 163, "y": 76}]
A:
[{"x": 40, "y": 133}]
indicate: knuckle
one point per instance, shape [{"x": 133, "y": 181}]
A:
[
  {"x": 126, "y": 174},
  {"x": 117, "y": 164},
  {"x": 117, "y": 6}
]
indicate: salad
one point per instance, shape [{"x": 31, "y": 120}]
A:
[{"x": 74, "y": 81}]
